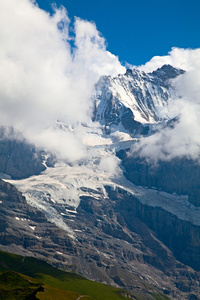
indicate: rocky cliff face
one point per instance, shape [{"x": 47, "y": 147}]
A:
[
  {"x": 25, "y": 230},
  {"x": 18, "y": 159},
  {"x": 134, "y": 100},
  {"x": 181, "y": 237},
  {"x": 140, "y": 232},
  {"x": 114, "y": 243},
  {"x": 179, "y": 175}
]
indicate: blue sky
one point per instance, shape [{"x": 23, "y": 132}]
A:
[
  {"x": 41, "y": 72},
  {"x": 138, "y": 30}
]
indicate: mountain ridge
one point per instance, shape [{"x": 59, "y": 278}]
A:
[
  {"x": 135, "y": 99},
  {"x": 102, "y": 216}
]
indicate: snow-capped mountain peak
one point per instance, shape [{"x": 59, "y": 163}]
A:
[{"x": 134, "y": 98}]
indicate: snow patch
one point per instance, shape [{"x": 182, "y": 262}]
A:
[
  {"x": 32, "y": 227},
  {"x": 65, "y": 184},
  {"x": 71, "y": 211}
]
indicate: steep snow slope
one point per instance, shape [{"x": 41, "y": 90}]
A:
[
  {"x": 57, "y": 191},
  {"x": 111, "y": 224},
  {"x": 126, "y": 101},
  {"x": 135, "y": 97}
]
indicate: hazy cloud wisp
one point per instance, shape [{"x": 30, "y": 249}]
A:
[
  {"x": 184, "y": 139},
  {"x": 43, "y": 78}
]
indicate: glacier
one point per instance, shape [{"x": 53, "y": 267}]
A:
[{"x": 57, "y": 190}]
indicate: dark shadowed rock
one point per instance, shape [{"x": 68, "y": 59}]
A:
[
  {"x": 19, "y": 159},
  {"x": 179, "y": 175}
]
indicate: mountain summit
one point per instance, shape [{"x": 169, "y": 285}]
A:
[
  {"x": 112, "y": 216},
  {"x": 136, "y": 100}
]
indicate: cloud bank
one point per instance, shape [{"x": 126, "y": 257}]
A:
[
  {"x": 183, "y": 140},
  {"x": 43, "y": 78},
  {"x": 186, "y": 59}
]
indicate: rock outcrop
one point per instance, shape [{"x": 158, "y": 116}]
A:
[
  {"x": 117, "y": 241},
  {"x": 18, "y": 159},
  {"x": 134, "y": 101},
  {"x": 179, "y": 175}
]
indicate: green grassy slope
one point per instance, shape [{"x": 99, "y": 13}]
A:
[
  {"x": 15, "y": 286},
  {"x": 57, "y": 284}
]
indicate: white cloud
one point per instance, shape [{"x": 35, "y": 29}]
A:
[
  {"x": 110, "y": 164},
  {"x": 184, "y": 139},
  {"x": 186, "y": 59},
  {"x": 42, "y": 79}
]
